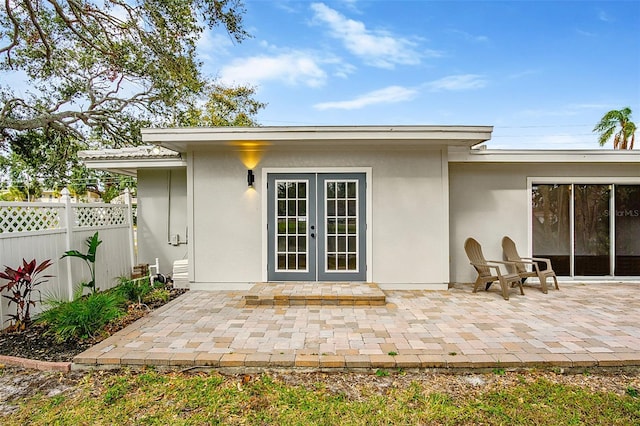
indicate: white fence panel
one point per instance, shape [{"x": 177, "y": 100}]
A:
[
  {"x": 39, "y": 231},
  {"x": 112, "y": 259}
]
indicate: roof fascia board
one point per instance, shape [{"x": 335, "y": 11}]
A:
[
  {"x": 542, "y": 156},
  {"x": 187, "y": 139},
  {"x": 117, "y": 170},
  {"x": 129, "y": 167}
]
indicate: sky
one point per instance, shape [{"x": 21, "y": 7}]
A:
[{"x": 542, "y": 73}]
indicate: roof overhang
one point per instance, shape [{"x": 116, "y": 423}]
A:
[
  {"x": 127, "y": 161},
  {"x": 543, "y": 156},
  {"x": 197, "y": 138}
]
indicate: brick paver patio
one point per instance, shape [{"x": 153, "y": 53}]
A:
[{"x": 581, "y": 325}]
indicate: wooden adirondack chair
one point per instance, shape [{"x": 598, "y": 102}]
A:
[
  {"x": 521, "y": 263},
  {"x": 489, "y": 270}
]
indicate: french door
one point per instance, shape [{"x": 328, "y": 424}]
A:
[
  {"x": 316, "y": 227},
  {"x": 588, "y": 229}
]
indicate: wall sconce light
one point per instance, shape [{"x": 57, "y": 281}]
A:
[{"x": 250, "y": 178}]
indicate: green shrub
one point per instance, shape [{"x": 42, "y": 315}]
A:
[
  {"x": 133, "y": 291},
  {"x": 83, "y": 317},
  {"x": 157, "y": 295},
  {"x": 92, "y": 244}
]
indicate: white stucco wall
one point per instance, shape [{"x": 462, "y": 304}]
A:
[
  {"x": 162, "y": 210},
  {"x": 491, "y": 200},
  {"x": 407, "y": 219}
]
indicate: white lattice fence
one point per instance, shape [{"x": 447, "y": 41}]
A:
[
  {"x": 104, "y": 215},
  {"x": 46, "y": 230},
  {"x": 30, "y": 217}
]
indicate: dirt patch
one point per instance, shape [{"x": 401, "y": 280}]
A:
[
  {"x": 358, "y": 386},
  {"x": 18, "y": 383}
]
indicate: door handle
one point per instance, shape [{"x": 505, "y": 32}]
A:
[{"x": 313, "y": 234}]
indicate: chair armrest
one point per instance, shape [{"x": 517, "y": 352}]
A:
[
  {"x": 546, "y": 261},
  {"x": 496, "y": 267},
  {"x": 533, "y": 264},
  {"x": 540, "y": 259},
  {"x": 503, "y": 262},
  {"x": 522, "y": 260}
]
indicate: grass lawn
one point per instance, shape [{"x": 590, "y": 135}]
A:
[{"x": 151, "y": 397}]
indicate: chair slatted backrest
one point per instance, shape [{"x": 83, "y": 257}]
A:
[
  {"x": 474, "y": 253},
  {"x": 511, "y": 252}
]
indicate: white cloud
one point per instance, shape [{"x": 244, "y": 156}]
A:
[
  {"x": 457, "y": 82},
  {"x": 212, "y": 44},
  {"x": 377, "y": 48},
  {"x": 293, "y": 68},
  {"x": 604, "y": 16},
  {"x": 585, "y": 33},
  {"x": 391, "y": 94},
  {"x": 470, "y": 37}
]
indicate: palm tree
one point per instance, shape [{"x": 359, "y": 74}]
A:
[{"x": 610, "y": 122}]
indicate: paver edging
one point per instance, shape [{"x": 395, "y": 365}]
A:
[{"x": 35, "y": 364}]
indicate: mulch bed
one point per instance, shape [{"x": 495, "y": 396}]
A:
[{"x": 36, "y": 343}]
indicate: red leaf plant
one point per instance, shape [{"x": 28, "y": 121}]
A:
[{"x": 22, "y": 282}]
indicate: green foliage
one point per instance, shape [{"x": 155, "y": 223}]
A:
[
  {"x": 224, "y": 107},
  {"x": 13, "y": 194},
  {"x": 21, "y": 284},
  {"x": 133, "y": 290},
  {"x": 81, "y": 318},
  {"x": 99, "y": 71},
  {"x": 44, "y": 155},
  {"x": 106, "y": 185},
  {"x": 84, "y": 59},
  {"x": 619, "y": 120},
  {"x": 116, "y": 390},
  {"x": 89, "y": 258},
  {"x": 157, "y": 295},
  {"x": 151, "y": 397}
]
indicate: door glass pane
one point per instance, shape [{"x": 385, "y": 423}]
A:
[
  {"x": 341, "y": 199},
  {"x": 592, "y": 230},
  {"x": 627, "y": 230},
  {"x": 551, "y": 225},
  {"x": 331, "y": 190},
  {"x": 292, "y": 220},
  {"x": 291, "y": 190},
  {"x": 331, "y": 207},
  {"x": 282, "y": 190},
  {"x": 351, "y": 189},
  {"x": 352, "y": 208},
  {"x": 352, "y": 262}
]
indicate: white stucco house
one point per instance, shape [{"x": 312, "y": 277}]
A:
[{"x": 386, "y": 204}]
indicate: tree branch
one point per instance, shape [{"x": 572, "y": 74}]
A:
[
  {"x": 41, "y": 33},
  {"x": 16, "y": 32}
]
